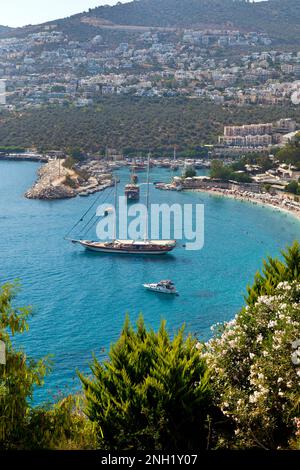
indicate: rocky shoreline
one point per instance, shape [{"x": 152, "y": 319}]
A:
[{"x": 58, "y": 182}]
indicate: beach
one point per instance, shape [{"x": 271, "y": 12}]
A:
[{"x": 277, "y": 202}]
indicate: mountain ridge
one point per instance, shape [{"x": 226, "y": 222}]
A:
[
  {"x": 279, "y": 18},
  {"x": 3, "y": 29}
]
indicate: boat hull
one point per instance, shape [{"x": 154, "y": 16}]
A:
[
  {"x": 128, "y": 249},
  {"x": 160, "y": 290},
  {"x": 125, "y": 252}
]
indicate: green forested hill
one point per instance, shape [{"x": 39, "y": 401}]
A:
[
  {"x": 280, "y": 18},
  {"x": 141, "y": 124}
]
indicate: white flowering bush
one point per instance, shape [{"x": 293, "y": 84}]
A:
[{"x": 255, "y": 364}]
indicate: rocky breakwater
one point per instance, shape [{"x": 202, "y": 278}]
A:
[{"x": 56, "y": 181}]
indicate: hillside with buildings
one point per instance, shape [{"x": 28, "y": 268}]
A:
[
  {"x": 180, "y": 69},
  {"x": 280, "y": 19}
]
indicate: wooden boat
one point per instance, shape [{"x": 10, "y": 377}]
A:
[{"x": 133, "y": 247}]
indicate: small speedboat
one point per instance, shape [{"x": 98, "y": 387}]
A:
[{"x": 163, "y": 287}]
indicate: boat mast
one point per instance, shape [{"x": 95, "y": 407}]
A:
[
  {"x": 147, "y": 199},
  {"x": 115, "y": 219}
]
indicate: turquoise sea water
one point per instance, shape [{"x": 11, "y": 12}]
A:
[{"x": 80, "y": 299}]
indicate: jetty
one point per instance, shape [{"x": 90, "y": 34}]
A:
[
  {"x": 55, "y": 181},
  {"x": 24, "y": 157}
]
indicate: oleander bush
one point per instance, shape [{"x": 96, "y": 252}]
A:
[
  {"x": 275, "y": 271},
  {"x": 255, "y": 370}
]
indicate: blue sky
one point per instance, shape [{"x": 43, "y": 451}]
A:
[{"x": 22, "y": 12}]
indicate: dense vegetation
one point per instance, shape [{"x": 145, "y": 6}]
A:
[
  {"x": 290, "y": 153},
  {"x": 121, "y": 122},
  {"x": 275, "y": 271},
  {"x": 280, "y": 18},
  {"x": 226, "y": 173},
  {"x": 159, "y": 389},
  {"x": 240, "y": 390}
]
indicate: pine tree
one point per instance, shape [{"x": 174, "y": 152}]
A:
[{"x": 151, "y": 393}]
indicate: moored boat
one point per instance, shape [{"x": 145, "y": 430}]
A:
[
  {"x": 137, "y": 247},
  {"x": 132, "y": 192}
]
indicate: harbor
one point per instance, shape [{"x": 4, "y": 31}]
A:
[
  {"x": 249, "y": 192},
  {"x": 88, "y": 294}
]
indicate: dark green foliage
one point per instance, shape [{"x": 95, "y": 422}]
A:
[
  {"x": 274, "y": 272},
  {"x": 8, "y": 149},
  {"x": 76, "y": 153},
  {"x": 70, "y": 182},
  {"x": 290, "y": 153},
  {"x": 229, "y": 172},
  {"x": 23, "y": 426},
  {"x": 69, "y": 162},
  {"x": 293, "y": 187},
  {"x": 189, "y": 172},
  {"x": 280, "y": 18},
  {"x": 241, "y": 177},
  {"x": 120, "y": 122},
  {"x": 152, "y": 392},
  {"x": 20, "y": 374}
]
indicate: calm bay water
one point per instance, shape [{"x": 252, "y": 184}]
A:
[{"x": 80, "y": 299}]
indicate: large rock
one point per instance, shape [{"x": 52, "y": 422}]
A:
[{"x": 50, "y": 192}]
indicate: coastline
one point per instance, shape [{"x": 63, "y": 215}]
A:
[
  {"x": 266, "y": 200},
  {"x": 54, "y": 181}
]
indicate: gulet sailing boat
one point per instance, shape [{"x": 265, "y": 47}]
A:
[{"x": 136, "y": 247}]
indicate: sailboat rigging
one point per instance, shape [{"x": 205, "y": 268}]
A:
[{"x": 139, "y": 247}]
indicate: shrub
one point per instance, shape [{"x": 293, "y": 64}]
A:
[
  {"x": 292, "y": 187},
  {"x": 69, "y": 181},
  {"x": 189, "y": 172},
  {"x": 275, "y": 271},
  {"x": 255, "y": 364},
  {"x": 152, "y": 392},
  {"x": 19, "y": 375},
  {"x": 69, "y": 163},
  {"x": 22, "y": 426}
]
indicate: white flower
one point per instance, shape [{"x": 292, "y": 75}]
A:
[
  {"x": 296, "y": 344},
  {"x": 259, "y": 338},
  {"x": 296, "y": 358}
]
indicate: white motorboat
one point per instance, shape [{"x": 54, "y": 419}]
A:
[{"x": 163, "y": 287}]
